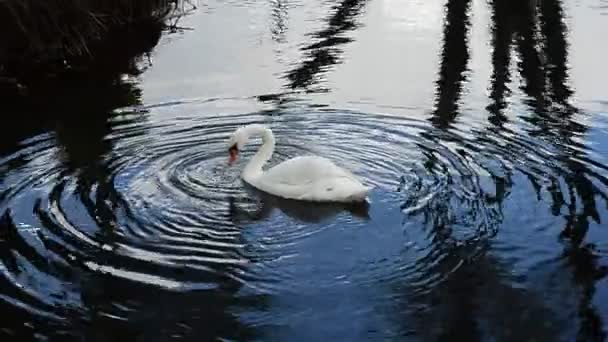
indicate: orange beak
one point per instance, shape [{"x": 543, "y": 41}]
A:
[{"x": 234, "y": 154}]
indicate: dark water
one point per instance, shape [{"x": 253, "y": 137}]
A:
[{"x": 483, "y": 126}]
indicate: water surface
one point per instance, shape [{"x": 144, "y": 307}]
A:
[{"x": 483, "y": 127}]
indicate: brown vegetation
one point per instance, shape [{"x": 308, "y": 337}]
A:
[{"x": 42, "y": 38}]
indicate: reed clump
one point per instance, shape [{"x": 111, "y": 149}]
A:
[{"x": 45, "y": 37}]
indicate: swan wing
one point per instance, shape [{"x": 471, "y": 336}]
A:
[
  {"x": 305, "y": 170},
  {"x": 311, "y": 178}
]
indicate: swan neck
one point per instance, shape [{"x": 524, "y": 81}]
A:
[{"x": 254, "y": 167}]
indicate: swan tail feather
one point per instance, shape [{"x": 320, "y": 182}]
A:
[{"x": 360, "y": 195}]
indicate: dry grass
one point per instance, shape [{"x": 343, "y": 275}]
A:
[{"x": 38, "y": 32}]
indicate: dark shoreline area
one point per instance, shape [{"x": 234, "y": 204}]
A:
[{"x": 51, "y": 45}]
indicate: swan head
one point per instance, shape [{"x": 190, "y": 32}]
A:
[
  {"x": 236, "y": 143},
  {"x": 241, "y": 136}
]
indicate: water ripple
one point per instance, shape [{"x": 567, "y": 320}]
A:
[{"x": 159, "y": 206}]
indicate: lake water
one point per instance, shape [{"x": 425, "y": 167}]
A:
[{"x": 483, "y": 127}]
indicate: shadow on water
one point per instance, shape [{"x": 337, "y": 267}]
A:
[
  {"x": 326, "y": 51},
  {"x": 77, "y": 109},
  {"x": 475, "y": 292},
  {"x": 195, "y": 316},
  {"x": 454, "y": 59},
  {"x": 84, "y": 93},
  {"x": 477, "y": 301},
  {"x": 561, "y": 127},
  {"x": 76, "y": 298},
  {"x": 102, "y": 307},
  {"x": 298, "y": 210},
  {"x": 555, "y": 120}
]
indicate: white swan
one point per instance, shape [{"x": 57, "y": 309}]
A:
[{"x": 307, "y": 178}]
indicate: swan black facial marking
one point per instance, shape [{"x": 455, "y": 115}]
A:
[{"x": 233, "y": 149}]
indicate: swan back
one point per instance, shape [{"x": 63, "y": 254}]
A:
[{"x": 311, "y": 178}]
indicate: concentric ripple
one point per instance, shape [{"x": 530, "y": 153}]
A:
[{"x": 158, "y": 206}]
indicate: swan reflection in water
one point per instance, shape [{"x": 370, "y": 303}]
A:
[{"x": 304, "y": 211}]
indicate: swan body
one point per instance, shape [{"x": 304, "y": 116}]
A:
[{"x": 307, "y": 178}]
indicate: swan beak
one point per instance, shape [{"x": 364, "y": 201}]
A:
[{"x": 234, "y": 154}]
